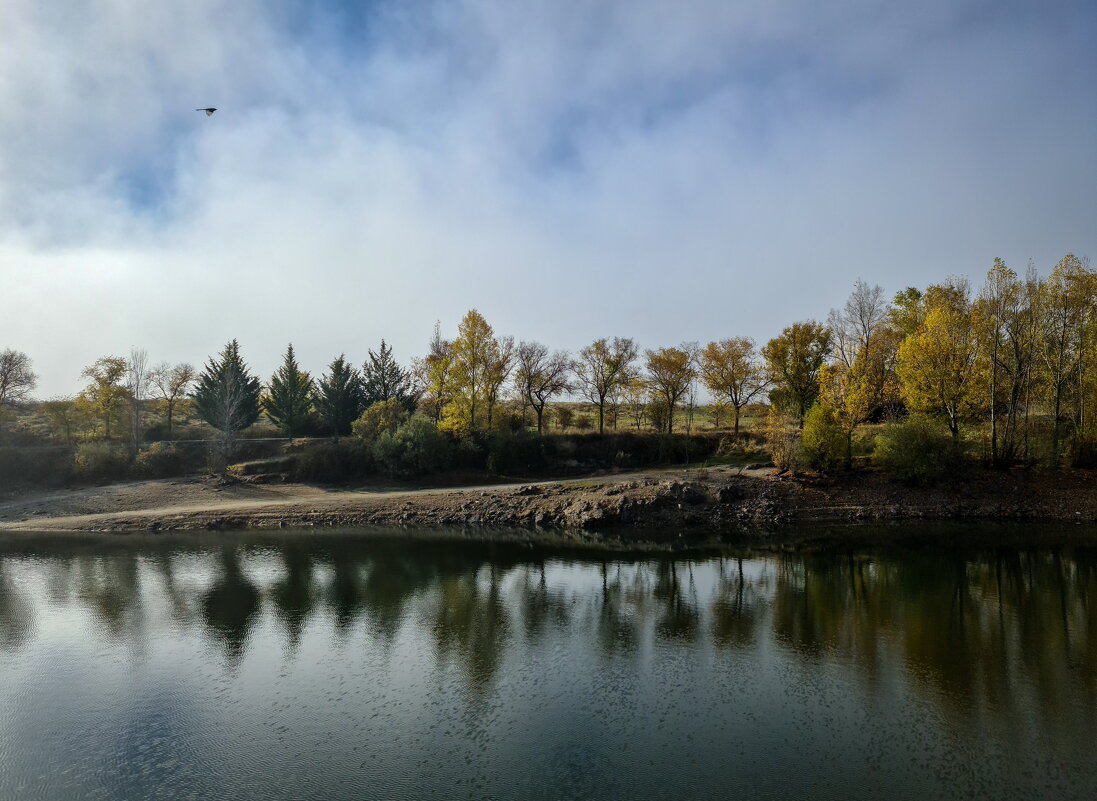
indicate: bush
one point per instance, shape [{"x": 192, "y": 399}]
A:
[
  {"x": 415, "y": 448},
  {"x": 379, "y": 418},
  {"x": 38, "y": 466},
  {"x": 333, "y": 461},
  {"x": 1083, "y": 453},
  {"x": 515, "y": 453},
  {"x": 99, "y": 461},
  {"x": 918, "y": 450},
  {"x": 823, "y": 440},
  {"x": 159, "y": 461},
  {"x": 783, "y": 441}
]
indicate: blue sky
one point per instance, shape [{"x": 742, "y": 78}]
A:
[{"x": 667, "y": 171}]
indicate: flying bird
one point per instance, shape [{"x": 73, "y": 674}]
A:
[{"x": 209, "y": 111}]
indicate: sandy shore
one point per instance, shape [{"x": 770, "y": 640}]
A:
[{"x": 715, "y": 497}]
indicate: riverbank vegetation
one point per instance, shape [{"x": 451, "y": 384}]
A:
[{"x": 934, "y": 382}]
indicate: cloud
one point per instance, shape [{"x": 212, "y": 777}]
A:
[{"x": 665, "y": 171}]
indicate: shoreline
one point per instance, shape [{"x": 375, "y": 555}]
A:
[{"x": 656, "y": 508}]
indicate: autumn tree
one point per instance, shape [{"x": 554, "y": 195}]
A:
[
  {"x": 288, "y": 402},
  {"x": 338, "y": 396},
  {"x": 670, "y": 373},
  {"x": 435, "y": 375},
  {"x": 602, "y": 366},
  {"x": 105, "y": 397},
  {"x": 477, "y": 365},
  {"x": 540, "y": 376},
  {"x": 226, "y": 397},
  {"x": 384, "y": 379},
  {"x": 171, "y": 385},
  {"x": 793, "y": 361},
  {"x": 62, "y": 416},
  {"x": 732, "y": 372},
  {"x": 936, "y": 365}
]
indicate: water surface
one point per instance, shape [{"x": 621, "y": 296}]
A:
[{"x": 302, "y": 666}]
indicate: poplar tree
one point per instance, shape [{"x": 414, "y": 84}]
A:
[{"x": 289, "y": 402}]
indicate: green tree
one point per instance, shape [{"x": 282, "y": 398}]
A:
[
  {"x": 793, "y": 360},
  {"x": 338, "y": 396},
  {"x": 226, "y": 397},
  {"x": 603, "y": 366},
  {"x": 383, "y": 379},
  {"x": 288, "y": 402}
]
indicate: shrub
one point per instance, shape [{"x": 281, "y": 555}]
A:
[
  {"x": 98, "y": 461},
  {"x": 41, "y": 466},
  {"x": 823, "y": 440},
  {"x": 379, "y": 418},
  {"x": 783, "y": 441},
  {"x": 416, "y": 447},
  {"x": 333, "y": 461},
  {"x": 1083, "y": 453},
  {"x": 918, "y": 450},
  {"x": 515, "y": 453},
  {"x": 159, "y": 461}
]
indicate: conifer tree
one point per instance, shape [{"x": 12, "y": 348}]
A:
[
  {"x": 384, "y": 379},
  {"x": 227, "y": 397},
  {"x": 289, "y": 401},
  {"x": 338, "y": 397}
]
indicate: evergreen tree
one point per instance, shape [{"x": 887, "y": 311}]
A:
[
  {"x": 384, "y": 379},
  {"x": 289, "y": 402},
  {"x": 227, "y": 397},
  {"x": 338, "y": 396}
]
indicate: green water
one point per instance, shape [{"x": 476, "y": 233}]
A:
[{"x": 327, "y": 666}]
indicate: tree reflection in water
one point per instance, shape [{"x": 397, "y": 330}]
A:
[{"x": 1009, "y": 629}]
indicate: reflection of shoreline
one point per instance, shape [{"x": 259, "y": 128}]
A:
[{"x": 1003, "y": 632}]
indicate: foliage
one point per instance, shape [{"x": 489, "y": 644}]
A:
[
  {"x": 515, "y": 454},
  {"x": 825, "y": 441},
  {"x": 333, "y": 461},
  {"x": 670, "y": 373},
  {"x": 919, "y": 450},
  {"x": 100, "y": 461},
  {"x": 159, "y": 461},
  {"x": 105, "y": 398},
  {"x": 227, "y": 398},
  {"x": 288, "y": 403},
  {"x": 380, "y": 418},
  {"x": 415, "y": 447},
  {"x": 793, "y": 361},
  {"x": 339, "y": 397},
  {"x": 783, "y": 441},
  {"x": 601, "y": 367},
  {"x": 384, "y": 379},
  {"x": 731, "y": 371}
]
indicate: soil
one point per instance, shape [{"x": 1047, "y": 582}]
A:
[{"x": 607, "y": 509}]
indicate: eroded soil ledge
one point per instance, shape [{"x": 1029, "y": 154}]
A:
[{"x": 722, "y": 499}]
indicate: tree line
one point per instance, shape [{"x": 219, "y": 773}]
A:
[{"x": 1014, "y": 360}]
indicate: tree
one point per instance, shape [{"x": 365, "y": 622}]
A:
[
  {"x": 602, "y": 366},
  {"x": 105, "y": 397},
  {"x": 670, "y": 373},
  {"x": 436, "y": 374},
  {"x": 137, "y": 382},
  {"x": 172, "y": 385},
  {"x": 17, "y": 380},
  {"x": 793, "y": 360},
  {"x": 288, "y": 402},
  {"x": 731, "y": 371},
  {"x": 635, "y": 396},
  {"x": 540, "y": 376},
  {"x": 62, "y": 417},
  {"x": 499, "y": 367},
  {"x": 339, "y": 397},
  {"x": 936, "y": 365},
  {"x": 475, "y": 362},
  {"x": 384, "y": 379},
  {"x": 226, "y": 396}
]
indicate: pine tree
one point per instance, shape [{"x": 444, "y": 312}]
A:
[
  {"x": 383, "y": 379},
  {"x": 338, "y": 396},
  {"x": 227, "y": 397},
  {"x": 289, "y": 402}
]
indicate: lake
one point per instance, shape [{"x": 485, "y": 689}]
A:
[{"x": 329, "y": 665}]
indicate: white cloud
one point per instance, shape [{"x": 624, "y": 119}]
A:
[{"x": 666, "y": 171}]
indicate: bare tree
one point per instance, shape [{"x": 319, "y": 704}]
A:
[
  {"x": 540, "y": 376},
  {"x": 602, "y": 366},
  {"x": 854, "y": 325},
  {"x": 137, "y": 382},
  {"x": 500, "y": 365},
  {"x": 172, "y": 385},
  {"x": 17, "y": 379}
]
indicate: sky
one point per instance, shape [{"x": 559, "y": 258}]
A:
[{"x": 669, "y": 171}]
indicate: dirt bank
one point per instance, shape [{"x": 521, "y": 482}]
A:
[{"x": 715, "y": 497}]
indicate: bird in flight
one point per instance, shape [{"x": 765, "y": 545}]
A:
[{"x": 209, "y": 111}]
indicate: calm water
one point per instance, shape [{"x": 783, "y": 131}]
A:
[{"x": 327, "y": 666}]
